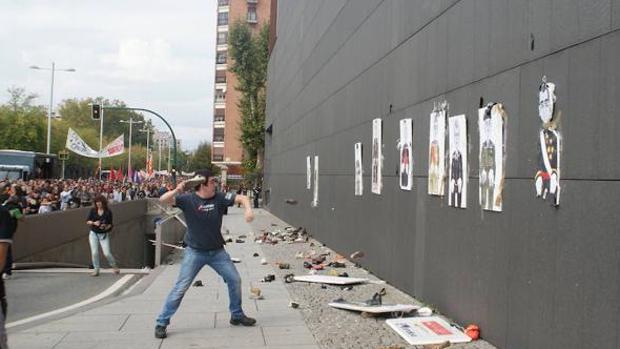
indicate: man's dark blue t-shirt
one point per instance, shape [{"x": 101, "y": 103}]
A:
[{"x": 204, "y": 219}]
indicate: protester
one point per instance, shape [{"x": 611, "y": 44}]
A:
[
  {"x": 203, "y": 211},
  {"x": 101, "y": 224}
]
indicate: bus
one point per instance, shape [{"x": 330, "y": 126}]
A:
[{"x": 21, "y": 164}]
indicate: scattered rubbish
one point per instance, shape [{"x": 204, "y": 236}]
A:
[
  {"x": 347, "y": 288},
  {"x": 357, "y": 254},
  {"x": 473, "y": 331},
  {"x": 318, "y": 267},
  {"x": 427, "y": 330},
  {"x": 229, "y": 240},
  {"x": 235, "y": 260},
  {"x": 274, "y": 225},
  {"x": 242, "y": 236},
  {"x": 323, "y": 286},
  {"x": 343, "y": 275},
  {"x": 377, "y": 298},
  {"x": 255, "y": 293},
  {"x": 325, "y": 279},
  {"x": 255, "y": 254},
  {"x": 269, "y": 278},
  {"x": 313, "y": 272},
  {"x": 377, "y": 282},
  {"x": 263, "y": 261},
  {"x": 441, "y": 345},
  {"x": 239, "y": 241},
  {"x": 291, "y": 201},
  {"x": 332, "y": 272},
  {"x": 197, "y": 283},
  {"x": 288, "y": 278},
  {"x": 299, "y": 255},
  {"x": 424, "y": 311},
  {"x": 284, "y": 266},
  {"x": 293, "y": 305},
  {"x": 337, "y": 265},
  {"x": 307, "y": 265}
]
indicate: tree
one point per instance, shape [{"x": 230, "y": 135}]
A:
[
  {"x": 22, "y": 125},
  {"x": 249, "y": 56},
  {"x": 201, "y": 159}
]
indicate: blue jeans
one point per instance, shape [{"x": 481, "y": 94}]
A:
[
  {"x": 95, "y": 240},
  {"x": 193, "y": 261}
]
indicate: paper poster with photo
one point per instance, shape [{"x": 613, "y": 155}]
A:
[
  {"x": 315, "y": 199},
  {"x": 457, "y": 168},
  {"x": 406, "y": 155},
  {"x": 547, "y": 178},
  {"x": 359, "y": 184},
  {"x": 377, "y": 156},
  {"x": 308, "y": 172},
  {"x": 492, "y": 156},
  {"x": 436, "y": 152}
]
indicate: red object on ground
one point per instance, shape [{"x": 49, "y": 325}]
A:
[{"x": 473, "y": 331}]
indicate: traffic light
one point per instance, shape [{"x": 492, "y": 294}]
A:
[{"x": 95, "y": 112}]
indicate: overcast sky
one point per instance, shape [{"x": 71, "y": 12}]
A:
[{"x": 152, "y": 54}]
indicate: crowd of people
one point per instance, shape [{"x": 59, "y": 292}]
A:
[{"x": 39, "y": 196}]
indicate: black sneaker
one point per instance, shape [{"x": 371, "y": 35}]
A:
[
  {"x": 160, "y": 332},
  {"x": 245, "y": 321}
]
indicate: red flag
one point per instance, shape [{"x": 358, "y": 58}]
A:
[
  {"x": 112, "y": 174},
  {"x": 119, "y": 174}
]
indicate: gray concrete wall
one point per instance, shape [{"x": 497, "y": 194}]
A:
[
  {"x": 63, "y": 236},
  {"x": 532, "y": 276}
]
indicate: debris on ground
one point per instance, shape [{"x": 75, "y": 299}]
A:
[
  {"x": 255, "y": 293},
  {"x": 357, "y": 255},
  {"x": 235, "y": 260},
  {"x": 293, "y": 305},
  {"x": 197, "y": 283},
  {"x": 473, "y": 331},
  {"x": 269, "y": 278}
]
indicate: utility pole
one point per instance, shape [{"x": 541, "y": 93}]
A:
[{"x": 130, "y": 122}]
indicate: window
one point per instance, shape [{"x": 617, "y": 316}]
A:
[
  {"x": 222, "y": 18},
  {"x": 221, "y": 58},
  {"x": 219, "y": 115},
  {"x": 218, "y": 134},
  {"x": 218, "y": 157},
  {"x": 222, "y": 2},
  {"x": 220, "y": 95},
  {"x": 220, "y": 77},
  {"x": 252, "y": 14},
  {"x": 222, "y": 38}
]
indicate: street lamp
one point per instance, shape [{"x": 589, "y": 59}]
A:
[
  {"x": 147, "y": 129},
  {"x": 49, "y": 112},
  {"x": 130, "y": 122}
]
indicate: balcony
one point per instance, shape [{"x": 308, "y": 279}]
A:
[
  {"x": 218, "y": 158},
  {"x": 253, "y": 2}
]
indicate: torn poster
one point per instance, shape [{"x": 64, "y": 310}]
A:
[
  {"x": 377, "y": 156},
  {"x": 492, "y": 156},
  {"x": 406, "y": 155},
  {"x": 359, "y": 184},
  {"x": 547, "y": 178},
  {"x": 427, "y": 330},
  {"x": 457, "y": 178},
  {"x": 436, "y": 149}
]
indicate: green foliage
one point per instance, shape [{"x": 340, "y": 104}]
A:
[
  {"x": 201, "y": 159},
  {"x": 249, "y": 56}
]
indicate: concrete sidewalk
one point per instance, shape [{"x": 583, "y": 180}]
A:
[{"x": 202, "y": 319}]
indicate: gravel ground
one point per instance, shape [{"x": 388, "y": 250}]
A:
[{"x": 335, "y": 328}]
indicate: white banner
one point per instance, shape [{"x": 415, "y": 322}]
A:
[{"x": 77, "y": 145}]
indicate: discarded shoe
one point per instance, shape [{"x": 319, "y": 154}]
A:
[
  {"x": 269, "y": 278},
  {"x": 284, "y": 266},
  {"x": 288, "y": 278},
  {"x": 193, "y": 182},
  {"x": 244, "y": 320},
  {"x": 255, "y": 254},
  {"x": 293, "y": 305},
  {"x": 197, "y": 283},
  {"x": 229, "y": 240},
  {"x": 160, "y": 332}
]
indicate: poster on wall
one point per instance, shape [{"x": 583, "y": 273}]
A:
[
  {"x": 406, "y": 155},
  {"x": 492, "y": 156},
  {"x": 457, "y": 169},
  {"x": 436, "y": 156},
  {"x": 359, "y": 184},
  {"x": 308, "y": 172},
  {"x": 315, "y": 196},
  {"x": 377, "y": 156},
  {"x": 547, "y": 178}
]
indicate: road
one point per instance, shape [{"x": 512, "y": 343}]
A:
[{"x": 30, "y": 294}]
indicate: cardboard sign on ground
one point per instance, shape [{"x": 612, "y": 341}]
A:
[
  {"x": 326, "y": 279},
  {"x": 374, "y": 309},
  {"x": 427, "y": 330}
]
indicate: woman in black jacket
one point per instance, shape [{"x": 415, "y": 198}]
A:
[{"x": 101, "y": 223}]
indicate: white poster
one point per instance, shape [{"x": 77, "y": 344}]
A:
[
  {"x": 547, "y": 178},
  {"x": 308, "y": 172},
  {"x": 427, "y": 330},
  {"x": 359, "y": 184},
  {"x": 436, "y": 152},
  {"x": 315, "y": 200},
  {"x": 492, "y": 127},
  {"x": 406, "y": 155},
  {"x": 77, "y": 145},
  {"x": 377, "y": 156},
  {"x": 457, "y": 176}
]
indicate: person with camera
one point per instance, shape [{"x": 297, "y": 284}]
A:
[{"x": 101, "y": 224}]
